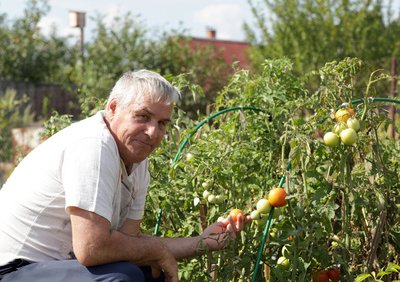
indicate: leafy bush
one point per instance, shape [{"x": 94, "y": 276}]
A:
[{"x": 339, "y": 198}]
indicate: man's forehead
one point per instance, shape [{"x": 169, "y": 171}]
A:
[{"x": 159, "y": 109}]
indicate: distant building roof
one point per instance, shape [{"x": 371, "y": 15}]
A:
[{"x": 231, "y": 50}]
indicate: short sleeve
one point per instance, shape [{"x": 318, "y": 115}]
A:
[
  {"x": 141, "y": 180},
  {"x": 90, "y": 175}
]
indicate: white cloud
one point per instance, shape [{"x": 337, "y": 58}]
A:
[
  {"x": 48, "y": 23},
  {"x": 227, "y": 19}
]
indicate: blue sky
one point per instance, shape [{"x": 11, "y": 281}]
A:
[{"x": 226, "y": 16}]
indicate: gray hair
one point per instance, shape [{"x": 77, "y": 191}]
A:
[{"x": 138, "y": 84}]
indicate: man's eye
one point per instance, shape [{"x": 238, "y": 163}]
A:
[
  {"x": 163, "y": 124},
  {"x": 142, "y": 117}
]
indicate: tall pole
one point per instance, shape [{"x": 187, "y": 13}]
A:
[
  {"x": 82, "y": 50},
  {"x": 77, "y": 19},
  {"x": 393, "y": 92}
]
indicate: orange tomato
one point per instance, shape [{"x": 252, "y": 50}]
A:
[
  {"x": 234, "y": 214},
  {"x": 277, "y": 197},
  {"x": 350, "y": 111},
  {"x": 342, "y": 115}
]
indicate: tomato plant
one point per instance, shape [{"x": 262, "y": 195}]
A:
[{"x": 337, "y": 199}]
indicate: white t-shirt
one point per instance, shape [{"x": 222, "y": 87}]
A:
[{"x": 79, "y": 166}]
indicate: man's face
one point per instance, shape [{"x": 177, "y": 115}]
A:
[{"x": 139, "y": 128}]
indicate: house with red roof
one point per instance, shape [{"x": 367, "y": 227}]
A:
[{"x": 231, "y": 50}]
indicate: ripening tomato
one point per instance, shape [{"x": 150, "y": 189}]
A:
[
  {"x": 235, "y": 213},
  {"x": 277, "y": 197},
  {"x": 331, "y": 139},
  {"x": 263, "y": 206},
  {"x": 350, "y": 111},
  {"x": 320, "y": 276},
  {"x": 342, "y": 115},
  {"x": 334, "y": 273}
]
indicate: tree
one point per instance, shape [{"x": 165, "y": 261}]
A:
[
  {"x": 26, "y": 55},
  {"x": 312, "y": 32}
]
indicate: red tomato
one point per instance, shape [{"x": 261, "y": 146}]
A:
[
  {"x": 334, "y": 273},
  {"x": 277, "y": 197},
  {"x": 320, "y": 276},
  {"x": 234, "y": 214}
]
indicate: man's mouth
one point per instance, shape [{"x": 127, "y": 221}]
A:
[{"x": 143, "y": 143}]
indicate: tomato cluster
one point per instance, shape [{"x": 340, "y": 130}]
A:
[
  {"x": 276, "y": 198},
  {"x": 210, "y": 197},
  {"x": 345, "y": 129}
]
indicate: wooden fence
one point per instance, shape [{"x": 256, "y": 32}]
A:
[{"x": 44, "y": 97}]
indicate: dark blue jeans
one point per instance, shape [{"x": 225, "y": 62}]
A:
[{"x": 73, "y": 271}]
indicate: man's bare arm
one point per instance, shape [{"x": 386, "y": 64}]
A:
[
  {"x": 215, "y": 237},
  {"x": 95, "y": 243}
]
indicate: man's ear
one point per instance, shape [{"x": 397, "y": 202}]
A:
[{"x": 112, "y": 107}]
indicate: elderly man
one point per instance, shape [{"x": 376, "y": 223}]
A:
[{"x": 71, "y": 210}]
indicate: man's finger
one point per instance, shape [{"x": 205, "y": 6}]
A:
[{"x": 155, "y": 271}]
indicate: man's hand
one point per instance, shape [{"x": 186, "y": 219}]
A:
[
  {"x": 218, "y": 235},
  {"x": 166, "y": 262}
]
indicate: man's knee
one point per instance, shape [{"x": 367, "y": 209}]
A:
[{"x": 118, "y": 271}]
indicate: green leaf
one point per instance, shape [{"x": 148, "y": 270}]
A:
[{"x": 362, "y": 277}]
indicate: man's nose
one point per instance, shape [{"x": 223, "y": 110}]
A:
[{"x": 151, "y": 130}]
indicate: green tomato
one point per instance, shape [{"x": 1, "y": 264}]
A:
[
  {"x": 219, "y": 199},
  {"x": 263, "y": 206},
  {"x": 348, "y": 136},
  {"x": 206, "y": 184},
  {"x": 284, "y": 262},
  {"x": 331, "y": 139},
  {"x": 212, "y": 199},
  {"x": 255, "y": 215},
  {"x": 339, "y": 127},
  {"x": 353, "y": 123},
  {"x": 206, "y": 194},
  {"x": 189, "y": 157}
]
